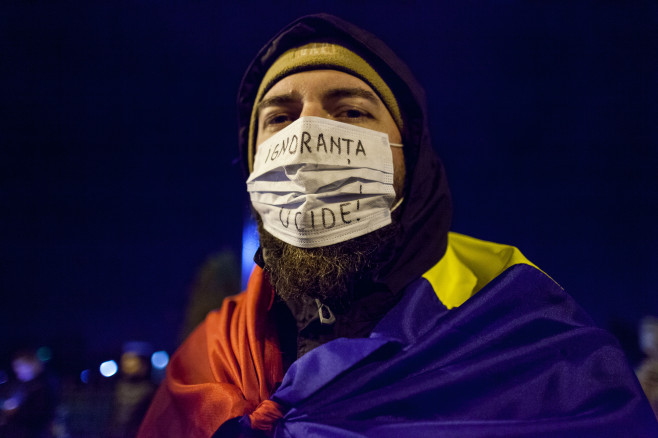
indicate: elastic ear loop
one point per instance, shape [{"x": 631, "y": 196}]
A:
[{"x": 397, "y": 204}]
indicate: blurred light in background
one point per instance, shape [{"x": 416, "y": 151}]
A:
[
  {"x": 159, "y": 360},
  {"x": 44, "y": 354},
  {"x": 4, "y": 377},
  {"x": 11, "y": 403},
  {"x": 109, "y": 368},
  {"x": 84, "y": 376},
  {"x": 249, "y": 247}
]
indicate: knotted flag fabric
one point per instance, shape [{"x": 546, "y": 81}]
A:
[{"x": 226, "y": 368}]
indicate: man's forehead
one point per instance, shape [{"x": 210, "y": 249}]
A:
[{"x": 320, "y": 82}]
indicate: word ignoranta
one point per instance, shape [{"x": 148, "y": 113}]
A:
[{"x": 335, "y": 145}]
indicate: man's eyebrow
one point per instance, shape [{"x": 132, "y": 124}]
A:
[
  {"x": 337, "y": 93},
  {"x": 282, "y": 99}
]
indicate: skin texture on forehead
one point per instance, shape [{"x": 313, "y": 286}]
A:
[{"x": 333, "y": 95}]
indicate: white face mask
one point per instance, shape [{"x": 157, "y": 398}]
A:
[{"x": 318, "y": 182}]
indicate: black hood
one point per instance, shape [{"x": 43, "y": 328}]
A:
[{"x": 427, "y": 208}]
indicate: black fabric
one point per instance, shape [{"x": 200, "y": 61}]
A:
[
  {"x": 234, "y": 428},
  {"x": 426, "y": 213},
  {"x": 300, "y": 330}
]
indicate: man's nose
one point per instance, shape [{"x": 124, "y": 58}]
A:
[{"x": 313, "y": 109}]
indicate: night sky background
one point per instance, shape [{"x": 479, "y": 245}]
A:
[{"x": 118, "y": 141}]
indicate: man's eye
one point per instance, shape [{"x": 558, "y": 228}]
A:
[
  {"x": 277, "y": 119},
  {"x": 353, "y": 113}
]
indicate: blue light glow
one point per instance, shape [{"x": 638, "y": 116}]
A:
[
  {"x": 11, "y": 403},
  {"x": 159, "y": 360},
  {"x": 249, "y": 246},
  {"x": 84, "y": 376},
  {"x": 108, "y": 368}
]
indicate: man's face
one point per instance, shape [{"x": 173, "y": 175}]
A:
[
  {"x": 326, "y": 272},
  {"x": 332, "y": 95}
]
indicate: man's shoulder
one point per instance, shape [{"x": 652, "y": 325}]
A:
[{"x": 469, "y": 264}]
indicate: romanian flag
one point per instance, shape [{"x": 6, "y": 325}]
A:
[{"x": 484, "y": 344}]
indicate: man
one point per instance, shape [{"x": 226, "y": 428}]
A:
[
  {"x": 647, "y": 371},
  {"x": 133, "y": 391},
  {"x": 364, "y": 316}
]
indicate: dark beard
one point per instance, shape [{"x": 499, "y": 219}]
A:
[{"x": 327, "y": 273}]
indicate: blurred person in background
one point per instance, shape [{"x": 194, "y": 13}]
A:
[
  {"x": 32, "y": 398},
  {"x": 216, "y": 279},
  {"x": 134, "y": 390},
  {"x": 647, "y": 372},
  {"x": 364, "y": 315}
]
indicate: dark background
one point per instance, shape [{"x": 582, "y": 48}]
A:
[{"x": 118, "y": 139}]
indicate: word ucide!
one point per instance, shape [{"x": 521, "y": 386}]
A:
[
  {"x": 323, "y": 217},
  {"x": 335, "y": 145}
]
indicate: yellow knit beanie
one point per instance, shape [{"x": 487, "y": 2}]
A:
[{"x": 315, "y": 56}]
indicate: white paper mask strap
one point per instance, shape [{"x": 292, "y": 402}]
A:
[
  {"x": 396, "y": 145},
  {"x": 397, "y": 204}
]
